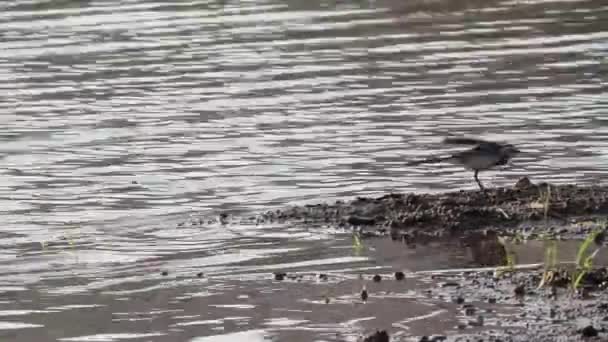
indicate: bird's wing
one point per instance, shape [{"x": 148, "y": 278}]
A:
[
  {"x": 429, "y": 161},
  {"x": 464, "y": 141}
]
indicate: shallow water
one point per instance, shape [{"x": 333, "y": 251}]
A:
[{"x": 121, "y": 118}]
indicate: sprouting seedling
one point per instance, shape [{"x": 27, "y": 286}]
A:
[
  {"x": 509, "y": 259},
  {"x": 547, "y": 201},
  {"x": 584, "y": 261},
  {"x": 586, "y": 268},
  {"x": 550, "y": 262},
  {"x": 582, "y": 250},
  {"x": 357, "y": 244}
]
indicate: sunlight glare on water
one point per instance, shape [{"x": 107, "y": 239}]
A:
[{"x": 120, "y": 119}]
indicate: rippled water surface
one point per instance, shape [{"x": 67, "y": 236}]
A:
[{"x": 119, "y": 119}]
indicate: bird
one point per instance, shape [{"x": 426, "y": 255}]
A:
[{"x": 483, "y": 156}]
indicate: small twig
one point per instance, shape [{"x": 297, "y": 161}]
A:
[{"x": 500, "y": 210}]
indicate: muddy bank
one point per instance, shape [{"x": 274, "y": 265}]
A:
[
  {"x": 489, "y": 307},
  {"x": 519, "y": 207},
  {"x": 514, "y": 307}
]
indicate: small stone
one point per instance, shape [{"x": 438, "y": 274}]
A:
[
  {"x": 450, "y": 284},
  {"x": 519, "y": 291},
  {"x": 589, "y": 331},
  {"x": 459, "y": 300},
  {"x": 199, "y": 274},
  {"x": 469, "y": 311},
  {"x": 377, "y": 278},
  {"x": 279, "y": 276},
  {"x": 424, "y": 339},
  {"x": 492, "y": 300},
  {"x": 364, "y": 295},
  {"x": 399, "y": 275},
  {"x": 164, "y": 273},
  {"x": 323, "y": 276},
  {"x": 523, "y": 183}
]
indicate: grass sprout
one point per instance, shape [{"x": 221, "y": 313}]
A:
[
  {"x": 550, "y": 264},
  {"x": 510, "y": 259},
  {"x": 584, "y": 259},
  {"x": 547, "y": 202},
  {"x": 357, "y": 244}
]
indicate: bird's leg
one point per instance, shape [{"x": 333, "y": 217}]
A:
[{"x": 478, "y": 182}]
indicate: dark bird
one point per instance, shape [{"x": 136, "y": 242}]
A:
[{"x": 484, "y": 156}]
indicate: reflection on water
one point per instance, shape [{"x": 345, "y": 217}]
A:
[{"x": 121, "y": 118}]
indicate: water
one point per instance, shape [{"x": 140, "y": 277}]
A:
[{"x": 121, "y": 118}]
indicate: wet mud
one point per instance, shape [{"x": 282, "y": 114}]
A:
[
  {"x": 515, "y": 308},
  {"x": 497, "y": 298},
  {"x": 519, "y": 209}
]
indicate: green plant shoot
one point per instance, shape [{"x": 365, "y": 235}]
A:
[
  {"x": 584, "y": 262},
  {"x": 550, "y": 262},
  {"x": 357, "y": 245}
]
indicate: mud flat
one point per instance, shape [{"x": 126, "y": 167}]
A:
[
  {"x": 514, "y": 308},
  {"x": 496, "y": 299},
  {"x": 525, "y": 208},
  {"x": 510, "y": 306}
]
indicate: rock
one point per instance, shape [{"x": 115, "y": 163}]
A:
[
  {"x": 469, "y": 311},
  {"x": 377, "y": 278},
  {"x": 361, "y": 221},
  {"x": 279, "y": 276},
  {"x": 379, "y": 336},
  {"x": 399, "y": 275},
  {"x": 523, "y": 183},
  {"x": 589, "y": 331}
]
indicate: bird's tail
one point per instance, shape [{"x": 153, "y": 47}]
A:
[{"x": 429, "y": 161}]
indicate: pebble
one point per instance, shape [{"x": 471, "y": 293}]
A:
[{"x": 364, "y": 295}]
